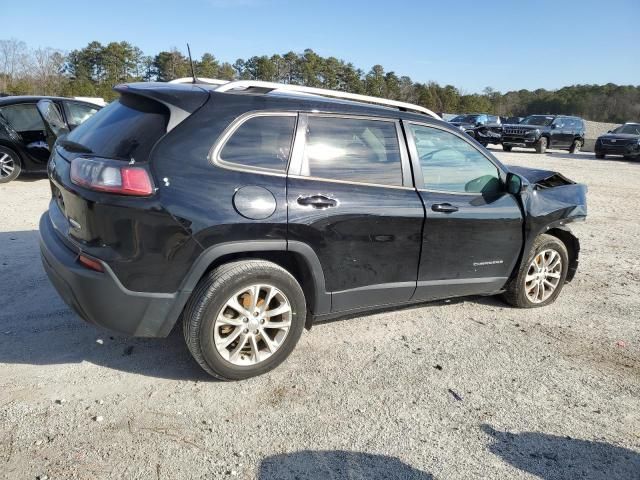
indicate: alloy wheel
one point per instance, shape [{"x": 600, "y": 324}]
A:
[
  {"x": 7, "y": 164},
  {"x": 252, "y": 325},
  {"x": 543, "y": 276}
]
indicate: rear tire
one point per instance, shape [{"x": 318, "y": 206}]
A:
[
  {"x": 575, "y": 146},
  {"x": 233, "y": 337},
  {"x": 541, "y": 145},
  {"x": 507, "y": 148},
  {"x": 10, "y": 165},
  {"x": 522, "y": 291}
]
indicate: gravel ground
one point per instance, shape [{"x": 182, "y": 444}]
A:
[{"x": 451, "y": 390}]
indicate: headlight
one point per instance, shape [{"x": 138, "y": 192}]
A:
[{"x": 535, "y": 132}]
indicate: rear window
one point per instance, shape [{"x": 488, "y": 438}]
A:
[{"x": 125, "y": 129}]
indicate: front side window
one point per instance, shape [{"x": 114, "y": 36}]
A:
[
  {"x": 23, "y": 117},
  {"x": 261, "y": 142},
  {"x": 450, "y": 164},
  {"x": 353, "y": 150},
  {"x": 559, "y": 122}
]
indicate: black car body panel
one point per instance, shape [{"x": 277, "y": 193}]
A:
[
  {"x": 371, "y": 246},
  {"x": 33, "y": 145},
  {"x": 559, "y": 130}
]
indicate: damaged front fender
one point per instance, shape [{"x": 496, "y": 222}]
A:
[{"x": 549, "y": 202}]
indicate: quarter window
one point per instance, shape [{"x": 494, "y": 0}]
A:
[
  {"x": 262, "y": 142},
  {"x": 353, "y": 150},
  {"x": 450, "y": 164}
]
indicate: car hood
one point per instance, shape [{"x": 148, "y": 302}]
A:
[
  {"x": 463, "y": 124},
  {"x": 550, "y": 199},
  {"x": 619, "y": 136},
  {"x": 524, "y": 127},
  {"x": 541, "y": 178}
]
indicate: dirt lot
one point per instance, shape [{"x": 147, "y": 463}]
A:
[{"x": 453, "y": 390}]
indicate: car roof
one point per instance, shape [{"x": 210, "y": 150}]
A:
[{"x": 13, "y": 99}]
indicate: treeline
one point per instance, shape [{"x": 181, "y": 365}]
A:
[{"x": 96, "y": 68}]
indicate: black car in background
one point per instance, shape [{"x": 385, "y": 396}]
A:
[
  {"x": 249, "y": 213},
  {"x": 624, "y": 140},
  {"x": 545, "y": 131},
  {"x": 485, "y": 128},
  {"x": 25, "y": 138}
]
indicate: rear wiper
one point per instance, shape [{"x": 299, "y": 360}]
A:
[{"x": 73, "y": 146}]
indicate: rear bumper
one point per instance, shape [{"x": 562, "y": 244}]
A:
[{"x": 100, "y": 298}]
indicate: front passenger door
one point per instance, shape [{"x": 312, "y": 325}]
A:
[{"x": 473, "y": 229}]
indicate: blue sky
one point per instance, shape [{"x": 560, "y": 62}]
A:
[{"x": 507, "y": 45}]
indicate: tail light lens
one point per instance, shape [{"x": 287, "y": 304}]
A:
[
  {"x": 90, "y": 263},
  {"x": 111, "y": 176}
]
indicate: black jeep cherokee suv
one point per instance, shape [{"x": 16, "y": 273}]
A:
[
  {"x": 252, "y": 213},
  {"x": 545, "y": 131}
]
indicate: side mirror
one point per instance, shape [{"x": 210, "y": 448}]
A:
[
  {"x": 609, "y": 131},
  {"x": 554, "y": 126},
  {"x": 514, "y": 183}
]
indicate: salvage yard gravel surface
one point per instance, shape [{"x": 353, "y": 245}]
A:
[{"x": 461, "y": 389}]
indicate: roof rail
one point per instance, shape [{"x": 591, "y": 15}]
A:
[
  {"x": 210, "y": 81},
  {"x": 271, "y": 86}
]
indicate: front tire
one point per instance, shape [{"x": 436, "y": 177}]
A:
[
  {"x": 541, "y": 275},
  {"x": 10, "y": 165},
  {"x": 244, "y": 319},
  {"x": 541, "y": 145},
  {"x": 507, "y": 148}
]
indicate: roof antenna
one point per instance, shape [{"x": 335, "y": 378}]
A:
[{"x": 193, "y": 70}]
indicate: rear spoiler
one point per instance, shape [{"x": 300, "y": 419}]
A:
[{"x": 181, "y": 99}]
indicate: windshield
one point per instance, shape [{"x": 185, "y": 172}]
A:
[
  {"x": 540, "y": 120},
  {"x": 466, "y": 118},
  {"x": 631, "y": 129}
]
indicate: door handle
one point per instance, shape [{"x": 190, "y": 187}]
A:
[
  {"x": 317, "y": 201},
  {"x": 444, "y": 208}
]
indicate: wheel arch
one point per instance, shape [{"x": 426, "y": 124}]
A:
[
  {"x": 571, "y": 242},
  {"x": 296, "y": 257}
]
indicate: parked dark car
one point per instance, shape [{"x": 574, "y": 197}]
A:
[
  {"x": 253, "y": 212},
  {"x": 545, "y": 131},
  {"x": 485, "y": 128},
  {"x": 24, "y": 139},
  {"x": 624, "y": 140}
]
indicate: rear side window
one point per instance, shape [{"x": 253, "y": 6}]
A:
[
  {"x": 262, "y": 142},
  {"x": 354, "y": 150},
  {"x": 23, "y": 117},
  {"x": 125, "y": 129}
]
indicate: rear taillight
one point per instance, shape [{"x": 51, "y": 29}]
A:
[{"x": 112, "y": 176}]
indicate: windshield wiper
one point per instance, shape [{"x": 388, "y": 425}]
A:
[{"x": 73, "y": 146}]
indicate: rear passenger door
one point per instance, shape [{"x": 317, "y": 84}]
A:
[
  {"x": 350, "y": 198},
  {"x": 473, "y": 229}
]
